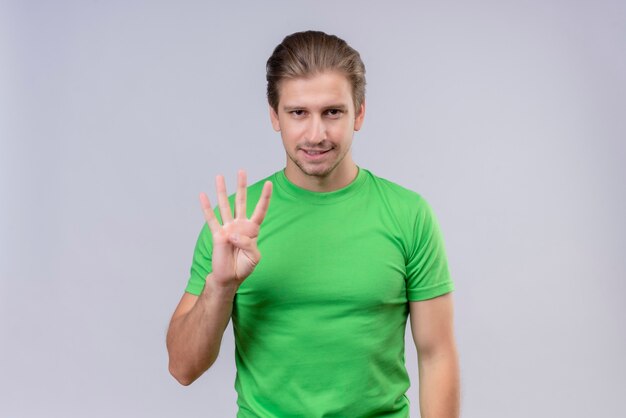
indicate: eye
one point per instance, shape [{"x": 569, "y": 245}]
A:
[
  {"x": 297, "y": 113},
  {"x": 334, "y": 113}
]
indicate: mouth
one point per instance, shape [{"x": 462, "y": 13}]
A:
[
  {"x": 316, "y": 152},
  {"x": 314, "y": 155}
]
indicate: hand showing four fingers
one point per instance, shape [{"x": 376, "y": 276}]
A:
[{"x": 235, "y": 251}]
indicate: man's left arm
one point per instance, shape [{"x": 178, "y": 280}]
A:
[{"x": 432, "y": 326}]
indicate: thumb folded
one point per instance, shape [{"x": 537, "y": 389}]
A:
[{"x": 244, "y": 243}]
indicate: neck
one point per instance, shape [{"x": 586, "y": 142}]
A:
[{"x": 340, "y": 177}]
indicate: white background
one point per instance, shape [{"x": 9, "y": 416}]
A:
[{"x": 509, "y": 117}]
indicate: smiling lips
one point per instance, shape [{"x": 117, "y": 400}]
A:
[{"x": 315, "y": 152}]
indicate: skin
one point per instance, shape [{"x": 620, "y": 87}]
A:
[
  {"x": 439, "y": 376},
  {"x": 316, "y": 118},
  {"x": 198, "y": 323},
  {"x": 317, "y": 113}
]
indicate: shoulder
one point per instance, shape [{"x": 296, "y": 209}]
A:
[
  {"x": 407, "y": 210},
  {"x": 397, "y": 196}
]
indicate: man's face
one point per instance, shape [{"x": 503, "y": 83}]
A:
[{"x": 316, "y": 119}]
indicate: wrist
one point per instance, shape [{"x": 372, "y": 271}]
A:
[{"x": 219, "y": 290}]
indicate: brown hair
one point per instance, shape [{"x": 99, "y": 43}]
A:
[{"x": 303, "y": 54}]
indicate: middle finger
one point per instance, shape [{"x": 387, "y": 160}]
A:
[{"x": 240, "y": 198}]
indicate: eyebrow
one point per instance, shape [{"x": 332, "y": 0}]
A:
[{"x": 341, "y": 107}]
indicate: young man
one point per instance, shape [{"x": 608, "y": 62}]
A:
[{"x": 319, "y": 322}]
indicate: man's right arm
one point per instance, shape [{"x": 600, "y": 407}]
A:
[
  {"x": 196, "y": 330},
  {"x": 198, "y": 323}
]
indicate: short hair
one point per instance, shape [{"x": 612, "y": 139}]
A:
[{"x": 303, "y": 54}]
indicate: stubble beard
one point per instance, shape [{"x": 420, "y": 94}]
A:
[{"x": 314, "y": 173}]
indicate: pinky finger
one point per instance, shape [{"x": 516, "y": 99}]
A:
[{"x": 209, "y": 215}]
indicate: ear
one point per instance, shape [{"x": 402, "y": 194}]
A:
[
  {"x": 358, "y": 120},
  {"x": 274, "y": 119}
]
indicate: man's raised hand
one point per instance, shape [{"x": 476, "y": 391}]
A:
[{"x": 235, "y": 251}]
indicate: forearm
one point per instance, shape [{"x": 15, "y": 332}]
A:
[
  {"x": 194, "y": 339},
  {"x": 439, "y": 384}
]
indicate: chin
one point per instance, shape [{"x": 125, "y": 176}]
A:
[
  {"x": 322, "y": 169},
  {"x": 316, "y": 171}
]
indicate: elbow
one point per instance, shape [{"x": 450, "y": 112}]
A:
[
  {"x": 186, "y": 374},
  {"x": 181, "y": 377},
  {"x": 186, "y": 367}
]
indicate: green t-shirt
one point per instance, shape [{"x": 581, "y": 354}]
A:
[{"x": 319, "y": 325}]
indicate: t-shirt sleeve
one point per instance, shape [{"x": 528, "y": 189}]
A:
[
  {"x": 201, "y": 263},
  {"x": 428, "y": 275}
]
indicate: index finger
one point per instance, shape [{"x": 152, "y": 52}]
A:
[{"x": 263, "y": 204}]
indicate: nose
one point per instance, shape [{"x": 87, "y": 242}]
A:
[{"x": 316, "y": 131}]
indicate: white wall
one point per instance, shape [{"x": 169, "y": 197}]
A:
[{"x": 507, "y": 116}]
